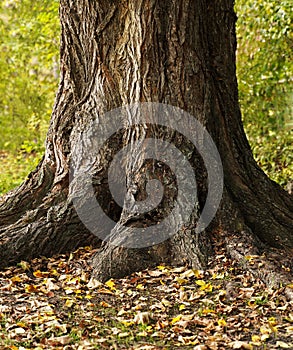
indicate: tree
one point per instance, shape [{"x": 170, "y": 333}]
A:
[{"x": 121, "y": 53}]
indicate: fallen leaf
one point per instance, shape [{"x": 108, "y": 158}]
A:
[
  {"x": 142, "y": 318},
  {"x": 110, "y": 284},
  {"x": 19, "y": 330},
  {"x": 123, "y": 335},
  {"x": 105, "y": 291},
  {"x": 93, "y": 284},
  {"x": 222, "y": 322},
  {"x": 175, "y": 319},
  {"x": 283, "y": 345},
  {"x": 30, "y": 288},
  {"x": 104, "y": 304},
  {"x": 63, "y": 340},
  {"x": 241, "y": 345},
  {"x": 200, "y": 347},
  {"x": 69, "y": 303}
]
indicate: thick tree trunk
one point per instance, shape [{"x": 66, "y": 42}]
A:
[{"x": 117, "y": 53}]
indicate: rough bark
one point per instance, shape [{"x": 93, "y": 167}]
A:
[{"x": 114, "y": 53}]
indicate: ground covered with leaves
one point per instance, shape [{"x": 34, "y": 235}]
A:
[{"x": 54, "y": 303}]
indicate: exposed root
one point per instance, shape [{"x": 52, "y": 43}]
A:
[{"x": 270, "y": 265}]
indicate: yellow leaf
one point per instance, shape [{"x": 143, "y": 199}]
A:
[
  {"x": 21, "y": 324},
  {"x": 127, "y": 323},
  {"x": 265, "y": 330},
  {"x": 252, "y": 304},
  {"x": 222, "y": 322},
  {"x": 255, "y": 338},
  {"x": 175, "y": 319},
  {"x": 182, "y": 307},
  {"x": 204, "y": 286},
  {"x": 111, "y": 284},
  {"x": 181, "y": 280},
  {"x": 208, "y": 311},
  {"x": 40, "y": 274},
  {"x": 218, "y": 276},
  {"x": 140, "y": 286},
  {"x": 16, "y": 279},
  {"x": 74, "y": 281},
  {"x": 30, "y": 288},
  {"x": 161, "y": 267},
  {"x": 54, "y": 272},
  {"x": 208, "y": 287},
  {"x": 69, "y": 303},
  {"x": 272, "y": 321},
  {"x": 274, "y": 329},
  {"x": 250, "y": 257},
  {"x": 198, "y": 273},
  {"x": 200, "y": 283}
]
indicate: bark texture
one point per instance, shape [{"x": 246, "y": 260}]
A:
[{"x": 113, "y": 53}]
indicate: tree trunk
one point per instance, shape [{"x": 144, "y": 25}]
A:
[{"x": 130, "y": 53}]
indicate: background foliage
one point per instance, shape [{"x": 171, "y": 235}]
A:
[
  {"x": 264, "y": 67},
  {"x": 29, "y": 46}
]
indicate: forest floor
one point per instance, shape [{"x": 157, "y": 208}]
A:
[{"x": 53, "y": 303}]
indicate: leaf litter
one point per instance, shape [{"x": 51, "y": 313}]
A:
[{"x": 54, "y": 303}]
